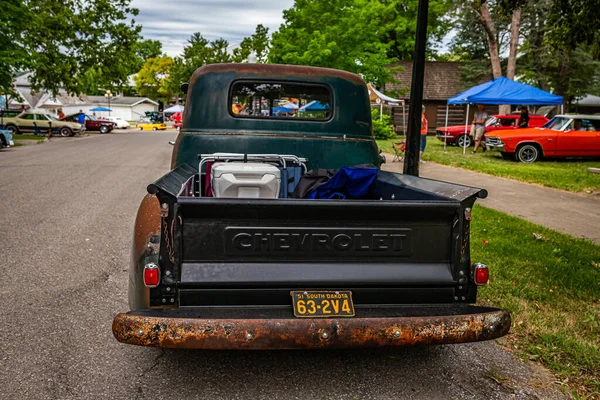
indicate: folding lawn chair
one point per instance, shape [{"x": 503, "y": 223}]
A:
[{"x": 399, "y": 149}]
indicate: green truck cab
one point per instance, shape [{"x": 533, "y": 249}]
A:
[{"x": 390, "y": 266}]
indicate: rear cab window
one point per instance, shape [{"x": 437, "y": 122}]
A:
[{"x": 280, "y": 100}]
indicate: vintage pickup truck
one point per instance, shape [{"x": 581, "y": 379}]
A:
[{"x": 253, "y": 268}]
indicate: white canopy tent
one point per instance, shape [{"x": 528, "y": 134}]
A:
[
  {"x": 380, "y": 99},
  {"x": 174, "y": 109}
]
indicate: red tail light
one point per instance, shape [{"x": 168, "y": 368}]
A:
[
  {"x": 151, "y": 275},
  {"x": 481, "y": 274}
]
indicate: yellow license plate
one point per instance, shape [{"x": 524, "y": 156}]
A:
[{"x": 322, "y": 304}]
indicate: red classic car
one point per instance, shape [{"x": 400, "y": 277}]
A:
[
  {"x": 92, "y": 123},
  {"x": 177, "y": 118},
  {"x": 456, "y": 134},
  {"x": 563, "y": 136}
]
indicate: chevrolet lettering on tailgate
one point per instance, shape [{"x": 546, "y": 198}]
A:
[{"x": 349, "y": 241}]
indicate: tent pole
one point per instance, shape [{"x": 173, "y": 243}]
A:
[
  {"x": 404, "y": 118},
  {"x": 413, "y": 139},
  {"x": 446, "y": 126},
  {"x": 562, "y": 108},
  {"x": 381, "y": 111},
  {"x": 466, "y": 125}
]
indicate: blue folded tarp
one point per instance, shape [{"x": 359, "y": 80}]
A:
[{"x": 347, "y": 182}]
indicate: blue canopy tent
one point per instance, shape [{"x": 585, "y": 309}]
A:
[
  {"x": 314, "y": 106},
  {"x": 502, "y": 91}
]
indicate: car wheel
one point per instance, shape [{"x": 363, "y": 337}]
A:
[
  {"x": 464, "y": 141},
  {"x": 13, "y": 129},
  {"x": 64, "y": 132},
  {"x": 155, "y": 129},
  {"x": 141, "y": 129},
  {"x": 528, "y": 153},
  {"x": 104, "y": 129},
  {"x": 507, "y": 156}
]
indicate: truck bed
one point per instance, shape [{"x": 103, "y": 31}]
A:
[{"x": 403, "y": 246}]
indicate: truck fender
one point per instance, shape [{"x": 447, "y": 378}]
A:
[{"x": 146, "y": 246}]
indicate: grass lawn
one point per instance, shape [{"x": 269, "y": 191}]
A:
[
  {"x": 563, "y": 174},
  {"x": 551, "y": 286},
  {"x": 28, "y": 137}
]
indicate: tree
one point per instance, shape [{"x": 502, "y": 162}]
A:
[
  {"x": 558, "y": 62},
  {"x": 62, "y": 41},
  {"x": 342, "y": 34},
  {"x": 198, "y": 52},
  {"x": 398, "y": 20},
  {"x": 153, "y": 80},
  {"x": 145, "y": 49},
  {"x": 13, "y": 55},
  {"x": 258, "y": 43}
]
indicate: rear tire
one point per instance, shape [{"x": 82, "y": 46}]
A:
[
  {"x": 464, "y": 141},
  {"x": 65, "y": 132},
  {"x": 155, "y": 129},
  {"x": 528, "y": 153},
  {"x": 13, "y": 129},
  {"x": 141, "y": 129}
]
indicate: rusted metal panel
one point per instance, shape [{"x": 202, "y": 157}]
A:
[
  {"x": 263, "y": 334},
  {"x": 146, "y": 246}
]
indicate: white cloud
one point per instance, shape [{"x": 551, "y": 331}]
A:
[{"x": 173, "y": 23}]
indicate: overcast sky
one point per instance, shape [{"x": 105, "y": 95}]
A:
[{"x": 173, "y": 22}]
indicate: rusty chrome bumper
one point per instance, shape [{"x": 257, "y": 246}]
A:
[{"x": 402, "y": 326}]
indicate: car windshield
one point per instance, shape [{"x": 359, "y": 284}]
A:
[
  {"x": 51, "y": 117},
  {"x": 490, "y": 121},
  {"x": 557, "y": 123}
]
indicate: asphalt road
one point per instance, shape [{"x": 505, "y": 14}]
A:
[{"x": 66, "y": 222}]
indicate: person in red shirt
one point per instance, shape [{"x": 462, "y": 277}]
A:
[
  {"x": 424, "y": 126},
  {"x": 61, "y": 114}
]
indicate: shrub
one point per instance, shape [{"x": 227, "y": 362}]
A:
[{"x": 382, "y": 129}]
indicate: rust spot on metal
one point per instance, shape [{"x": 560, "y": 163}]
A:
[
  {"x": 265, "y": 334},
  {"x": 147, "y": 227}
]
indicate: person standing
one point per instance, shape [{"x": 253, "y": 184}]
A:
[
  {"x": 424, "y": 126},
  {"x": 479, "y": 125},
  {"x": 524, "y": 118},
  {"x": 61, "y": 114}
]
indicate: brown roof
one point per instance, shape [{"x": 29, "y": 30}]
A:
[{"x": 442, "y": 80}]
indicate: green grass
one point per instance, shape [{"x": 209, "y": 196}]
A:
[
  {"x": 562, "y": 174},
  {"x": 27, "y": 137},
  {"x": 551, "y": 286}
]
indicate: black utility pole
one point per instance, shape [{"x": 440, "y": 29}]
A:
[{"x": 413, "y": 136}]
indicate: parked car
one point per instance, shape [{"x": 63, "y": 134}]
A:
[
  {"x": 6, "y": 138},
  {"x": 120, "y": 123},
  {"x": 146, "y": 124},
  {"x": 92, "y": 123},
  {"x": 177, "y": 118},
  {"x": 41, "y": 121},
  {"x": 228, "y": 256},
  {"x": 563, "y": 136},
  {"x": 455, "y": 135}
]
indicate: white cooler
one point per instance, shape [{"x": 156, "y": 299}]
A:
[{"x": 245, "y": 180}]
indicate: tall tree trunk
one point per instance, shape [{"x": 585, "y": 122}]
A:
[
  {"x": 514, "y": 44},
  {"x": 492, "y": 38}
]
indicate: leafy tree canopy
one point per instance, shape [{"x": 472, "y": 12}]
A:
[
  {"x": 153, "y": 80},
  {"x": 257, "y": 43},
  {"x": 338, "y": 34},
  {"x": 68, "y": 43}
]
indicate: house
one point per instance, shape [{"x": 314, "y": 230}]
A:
[
  {"x": 442, "y": 81},
  {"x": 127, "y": 107}
]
